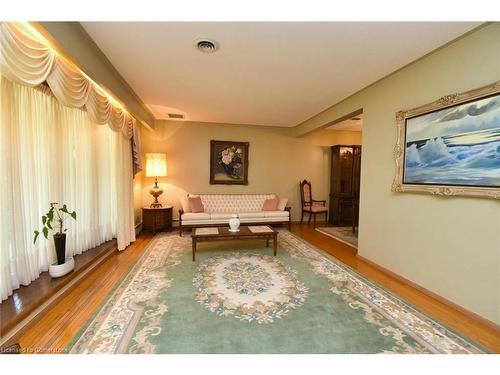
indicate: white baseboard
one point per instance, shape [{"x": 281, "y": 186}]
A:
[{"x": 138, "y": 228}]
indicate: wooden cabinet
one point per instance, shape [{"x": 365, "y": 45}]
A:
[
  {"x": 344, "y": 184},
  {"x": 157, "y": 219}
]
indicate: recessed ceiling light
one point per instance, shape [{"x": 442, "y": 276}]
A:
[{"x": 206, "y": 45}]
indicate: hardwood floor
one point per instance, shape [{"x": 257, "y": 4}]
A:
[
  {"x": 55, "y": 330},
  {"x": 27, "y": 299}
]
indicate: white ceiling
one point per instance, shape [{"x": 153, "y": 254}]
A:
[
  {"x": 272, "y": 73},
  {"x": 354, "y": 124}
]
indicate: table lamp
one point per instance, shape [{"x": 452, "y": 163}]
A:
[{"x": 156, "y": 166}]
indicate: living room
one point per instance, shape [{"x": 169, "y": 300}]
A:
[{"x": 269, "y": 184}]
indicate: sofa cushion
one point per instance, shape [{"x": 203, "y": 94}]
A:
[
  {"x": 195, "y": 216},
  {"x": 248, "y": 220},
  {"x": 282, "y": 204},
  {"x": 216, "y": 216},
  {"x": 195, "y": 204},
  {"x": 244, "y": 221},
  {"x": 247, "y": 215},
  {"x": 284, "y": 214}
]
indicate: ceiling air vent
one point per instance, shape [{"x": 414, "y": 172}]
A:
[
  {"x": 176, "y": 115},
  {"x": 206, "y": 45}
]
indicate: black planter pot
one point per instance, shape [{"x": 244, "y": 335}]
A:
[{"x": 60, "y": 242}]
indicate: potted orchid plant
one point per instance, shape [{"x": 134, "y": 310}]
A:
[{"x": 58, "y": 215}]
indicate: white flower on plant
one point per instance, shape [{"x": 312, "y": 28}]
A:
[{"x": 238, "y": 151}]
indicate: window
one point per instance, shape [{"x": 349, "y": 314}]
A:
[{"x": 53, "y": 153}]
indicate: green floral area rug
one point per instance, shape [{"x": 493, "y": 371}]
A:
[
  {"x": 342, "y": 234},
  {"x": 238, "y": 298}
]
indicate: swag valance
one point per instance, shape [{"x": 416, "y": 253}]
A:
[{"x": 27, "y": 59}]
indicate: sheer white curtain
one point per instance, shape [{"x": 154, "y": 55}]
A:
[{"x": 52, "y": 153}]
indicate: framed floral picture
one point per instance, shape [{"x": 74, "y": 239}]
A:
[{"x": 228, "y": 163}]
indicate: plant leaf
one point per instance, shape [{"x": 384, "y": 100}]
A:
[
  {"x": 50, "y": 214},
  {"x": 45, "y": 231},
  {"x": 48, "y": 224},
  {"x": 64, "y": 209},
  {"x": 37, "y": 233},
  {"x": 44, "y": 219},
  {"x": 73, "y": 215}
]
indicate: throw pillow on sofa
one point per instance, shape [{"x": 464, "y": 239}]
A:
[
  {"x": 270, "y": 204},
  {"x": 195, "y": 204}
]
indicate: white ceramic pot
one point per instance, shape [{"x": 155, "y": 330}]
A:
[
  {"x": 58, "y": 270},
  {"x": 234, "y": 224}
]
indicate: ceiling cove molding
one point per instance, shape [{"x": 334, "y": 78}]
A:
[{"x": 71, "y": 39}]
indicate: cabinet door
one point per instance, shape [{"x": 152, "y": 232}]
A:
[
  {"x": 334, "y": 172},
  {"x": 333, "y": 214},
  {"x": 356, "y": 171},
  {"x": 346, "y": 160},
  {"x": 160, "y": 219},
  {"x": 345, "y": 212},
  {"x": 148, "y": 219}
]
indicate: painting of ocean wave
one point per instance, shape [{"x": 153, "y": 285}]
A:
[{"x": 458, "y": 145}]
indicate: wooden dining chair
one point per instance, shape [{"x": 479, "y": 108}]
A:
[{"x": 311, "y": 206}]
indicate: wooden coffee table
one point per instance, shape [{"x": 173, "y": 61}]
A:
[{"x": 223, "y": 234}]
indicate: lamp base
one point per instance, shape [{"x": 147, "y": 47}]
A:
[{"x": 156, "y": 192}]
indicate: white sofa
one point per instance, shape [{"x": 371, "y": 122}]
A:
[{"x": 220, "y": 207}]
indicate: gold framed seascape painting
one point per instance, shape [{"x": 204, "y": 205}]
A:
[
  {"x": 228, "y": 163},
  {"x": 451, "y": 146}
]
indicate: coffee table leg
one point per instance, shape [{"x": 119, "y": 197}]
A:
[
  {"x": 275, "y": 244},
  {"x": 194, "y": 248}
]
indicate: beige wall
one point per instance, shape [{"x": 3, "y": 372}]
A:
[
  {"x": 277, "y": 161},
  {"x": 328, "y": 137},
  {"x": 138, "y": 184},
  {"x": 450, "y": 246}
]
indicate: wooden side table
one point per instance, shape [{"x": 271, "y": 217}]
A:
[{"x": 157, "y": 219}]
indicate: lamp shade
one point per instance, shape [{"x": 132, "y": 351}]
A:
[{"x": 156, "y": 165}]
